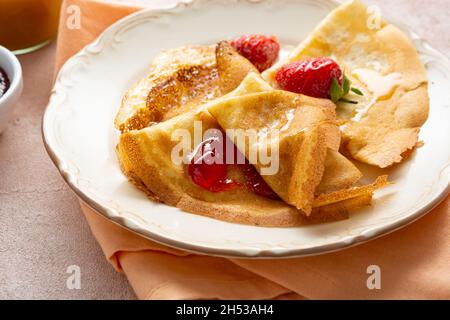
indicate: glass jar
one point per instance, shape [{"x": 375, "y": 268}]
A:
[{"x": 27, "y": 25}]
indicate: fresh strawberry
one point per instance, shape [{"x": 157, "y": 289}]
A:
[
  {"x": 261, "y": 50},
  {"x": 319, "y": 78}
]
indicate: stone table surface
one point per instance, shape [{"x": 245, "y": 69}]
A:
[{"x": 42, "y": 229}]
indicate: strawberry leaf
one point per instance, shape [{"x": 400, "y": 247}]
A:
[
  {"x": 357, "y": 91},
  {"x": 336, "y": 91},
  {"x": 346, "y": 86}
]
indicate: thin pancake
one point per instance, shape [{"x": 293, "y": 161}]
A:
[
  {"x": 180, "y": 80},
  {"x": 383, "y": 63},
  {"x": 306, "y": 127}
]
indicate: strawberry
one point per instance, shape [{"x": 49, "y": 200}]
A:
[
  {"x": 318, "y": 77},
  {"x": 261, "y": 50}
]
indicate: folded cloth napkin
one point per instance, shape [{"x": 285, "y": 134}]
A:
[{"x": 414, "y": 262}]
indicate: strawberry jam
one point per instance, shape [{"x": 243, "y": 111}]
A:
[
  {"x": 208, "y": 169},
  {"x": 255, "y": 183},
  {"x": 4, "y": 82}
]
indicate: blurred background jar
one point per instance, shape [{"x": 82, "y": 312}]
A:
[{"x": 27, "y": 25}]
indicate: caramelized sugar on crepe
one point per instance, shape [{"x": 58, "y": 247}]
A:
[
  {"x": 382, "y": 62},
  {"x": 147, "y": 100},
  {"x": 179, "y": 80}
]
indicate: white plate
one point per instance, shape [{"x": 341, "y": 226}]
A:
[{"x": 79, "y": 134}]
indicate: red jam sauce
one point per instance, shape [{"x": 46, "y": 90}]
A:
[
  {"x": 210, "y": 176},
  {"x": 208, "y": 169},
  {"x": 255, "y": 183}
]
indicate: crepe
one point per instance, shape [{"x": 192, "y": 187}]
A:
[
  {"x": 180, "y": 80},
  {"x": 307, "y": 128},
  {"x": 382, "y": 62}
]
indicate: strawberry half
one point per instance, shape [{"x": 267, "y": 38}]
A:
[
  {"x": 261, "y": 50},
  {"x": 318, "y": 77}
]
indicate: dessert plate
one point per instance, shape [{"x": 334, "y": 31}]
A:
[{"x": 80, "y": 138}]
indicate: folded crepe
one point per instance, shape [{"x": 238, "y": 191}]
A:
[
  {"x": 180, "y": 80},
  {"x": 381, "y": 61},
  {"x": 306, "y": 128}
]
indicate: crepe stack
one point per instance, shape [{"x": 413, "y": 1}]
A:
[
  {"x": 145, "y": 156},
  {"x": 315, "y": 182}
]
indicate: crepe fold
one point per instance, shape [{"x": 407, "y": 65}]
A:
[
  {"x": 305, "y": 130},
  {"x": 382, "y": 62}
]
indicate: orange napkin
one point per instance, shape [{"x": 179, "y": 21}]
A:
[{"x": 414, "y": 262}]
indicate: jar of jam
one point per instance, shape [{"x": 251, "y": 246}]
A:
[{"x": 27, "y": 25}]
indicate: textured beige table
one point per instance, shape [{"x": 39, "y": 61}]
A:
[{"x": 42, "y": 230}]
